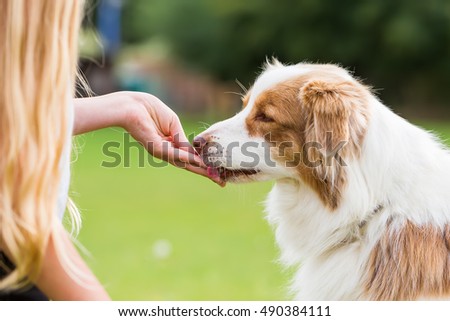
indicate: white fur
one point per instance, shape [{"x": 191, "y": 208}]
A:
[{"x": 402, "y": 167}]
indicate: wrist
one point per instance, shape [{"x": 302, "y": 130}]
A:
[
  {"x": 126, "y": 107},
  {"x": 102, "y": 111}
]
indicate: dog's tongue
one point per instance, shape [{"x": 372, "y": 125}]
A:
[{"x": 213, "y": 172}]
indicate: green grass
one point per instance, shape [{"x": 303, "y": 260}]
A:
[{"x": 221, "y": 246}]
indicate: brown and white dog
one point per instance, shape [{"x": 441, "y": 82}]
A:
[{"x": 361, "y": 203}]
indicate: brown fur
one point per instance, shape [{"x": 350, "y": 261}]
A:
[
  {"x": 304, "y": 109},
  {"x": 410, "y": 263}
]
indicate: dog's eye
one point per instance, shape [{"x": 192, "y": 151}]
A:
[{"x": 264, "y": 118}]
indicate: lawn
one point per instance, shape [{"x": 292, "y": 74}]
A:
[
  {"x": 161, "y": 233},
  {"x": 166, "y": 234}
]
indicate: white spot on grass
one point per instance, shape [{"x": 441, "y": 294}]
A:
[{"x": 162, "y": 249}]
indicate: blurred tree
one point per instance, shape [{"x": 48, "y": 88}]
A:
[{"x": 402, "y": 45}]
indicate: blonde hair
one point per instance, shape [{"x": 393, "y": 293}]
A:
[{"x": 38, "y": 62}]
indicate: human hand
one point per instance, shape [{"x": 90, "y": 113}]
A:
[{"x": 158, "y": 128}]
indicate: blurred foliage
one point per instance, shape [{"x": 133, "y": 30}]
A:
[{"x": 402, "y": 46}]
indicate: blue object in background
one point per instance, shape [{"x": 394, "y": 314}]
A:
[{"x": 108, "y": 24}]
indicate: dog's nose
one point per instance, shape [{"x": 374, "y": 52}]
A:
[{"x": 198, "y": 143}]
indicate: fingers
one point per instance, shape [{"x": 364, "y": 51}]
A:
[
  {"x": 177, "y": 131},
  {"x": 203, "y": 172},
  {"x": 175, "y": 156},
  {"x": 166, "y": 140},
  {"x": 179, "y": 137},
  {"x": 186, "y": 160}
]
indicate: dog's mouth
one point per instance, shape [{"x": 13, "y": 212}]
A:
[{"x": 226, "y": 174}]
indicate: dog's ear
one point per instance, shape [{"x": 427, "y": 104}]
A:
[
  {"x": 330, "y": 109},
  {"x": 328, "y": 106}
]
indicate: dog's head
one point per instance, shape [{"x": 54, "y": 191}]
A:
[{"x": 302, "y": 122}]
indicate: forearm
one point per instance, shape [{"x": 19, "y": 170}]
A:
[{"x": 100, "y": 112}]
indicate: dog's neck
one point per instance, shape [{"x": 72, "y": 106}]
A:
[{"x": 306, "y": 227}]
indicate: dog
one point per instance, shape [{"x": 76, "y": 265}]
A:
[{"x": 361, "y": 201}]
